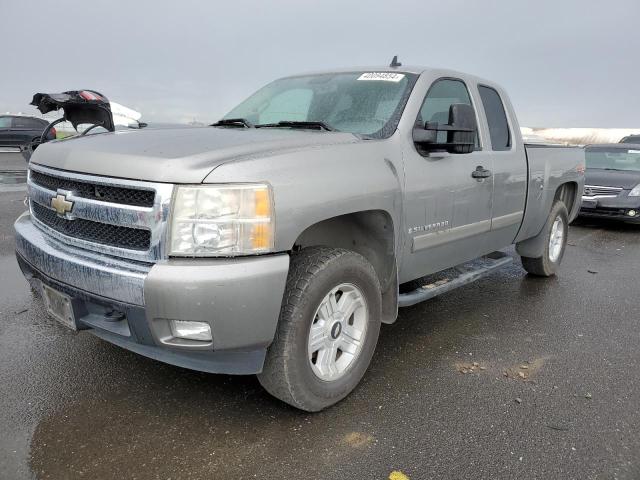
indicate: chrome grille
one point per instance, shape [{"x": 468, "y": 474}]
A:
[
  {"x": 103, "y": 233},
  {"x": 96, "y": 191},
  {"x": 105, "y": 222},
  {"x": 600, "y": 191}
]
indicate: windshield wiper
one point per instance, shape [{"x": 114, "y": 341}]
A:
[
  {"x": 233, "y": 122},
  {"x": 298, "y": 124}
]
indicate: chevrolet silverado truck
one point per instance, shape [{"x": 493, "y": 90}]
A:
[{"x": 276, "y": 241}]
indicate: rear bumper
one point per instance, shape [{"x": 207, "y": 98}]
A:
[{"x": 240, "y": 299}]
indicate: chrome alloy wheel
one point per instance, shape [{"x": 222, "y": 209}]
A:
[
  {"x": 556, "y": 239},
  {"x": 337, "y": 332}
]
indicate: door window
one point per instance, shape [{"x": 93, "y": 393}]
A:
[
  {"x": 496, "y": 117},
  {"x": 435, "y": 108}
]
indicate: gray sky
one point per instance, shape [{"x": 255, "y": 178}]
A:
[{"x": 565, "y": 63}]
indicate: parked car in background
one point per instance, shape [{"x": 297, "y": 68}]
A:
[
  {"x": 612, "y": 182},
  {"x": 635, "y": 139},
  {"x": 19, "y": 130}
]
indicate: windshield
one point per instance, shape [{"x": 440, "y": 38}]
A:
[
  {"x": 613, "y": 158},
  {"x": 365, "y": 103}
]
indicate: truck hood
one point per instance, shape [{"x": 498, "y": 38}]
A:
[
  {"x": 612, "y": 178},
  {"x": 181, "y": 155}
]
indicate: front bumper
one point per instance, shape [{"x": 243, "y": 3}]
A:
[
  {"x": 240, "y": 298},
  {"x": 616, "y": 214},
  {"x": 615, "y": 208}
]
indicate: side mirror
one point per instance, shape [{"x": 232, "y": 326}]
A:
[{"x": 461, "y": 131}]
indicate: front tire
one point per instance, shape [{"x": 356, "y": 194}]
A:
[
  {"x": 557, "y": 230},
  {"x": 327, "y": 331}
]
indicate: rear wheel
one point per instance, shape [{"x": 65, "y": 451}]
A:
[
  {"x": 328, "y": 329},
  {"x": 557, "y": 229}
]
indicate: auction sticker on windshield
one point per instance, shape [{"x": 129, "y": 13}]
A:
[{"x": 382, "y": 76}]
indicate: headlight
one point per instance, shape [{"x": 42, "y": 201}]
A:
[
  {"x": 635, "y": 192},
  {"x": 222, "y": 220}
]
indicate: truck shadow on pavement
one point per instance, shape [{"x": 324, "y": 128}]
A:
[{"x": 125, "y": 415}]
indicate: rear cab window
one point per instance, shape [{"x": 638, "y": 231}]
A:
[
  {"x": 496, "y": 118},
  {"x": 5, "y": 122}
]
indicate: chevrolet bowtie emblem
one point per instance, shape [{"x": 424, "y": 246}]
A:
[{"x": 61, "y": 205}]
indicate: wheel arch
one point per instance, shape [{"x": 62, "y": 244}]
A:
[
  {"x": 567, "y": 193},
  {"x": 370, "y": 233},
  {"x": 534, "y": 247}
]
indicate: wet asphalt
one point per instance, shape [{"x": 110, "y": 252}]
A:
[
  {"x": 510, "y": 377},
  {"x": 11, "y": 160}
]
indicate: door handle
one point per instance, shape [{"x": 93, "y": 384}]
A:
[{"x": 480, "y": 172}]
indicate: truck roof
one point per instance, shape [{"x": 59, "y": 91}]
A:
[{"x": 415, "y": 69}]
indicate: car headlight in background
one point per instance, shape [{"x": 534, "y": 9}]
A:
[
  {"x": 222, "y": 220},
  {"x": 635, "y": 192}
]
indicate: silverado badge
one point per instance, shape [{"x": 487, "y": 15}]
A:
[{"x": 61, "y": 205}]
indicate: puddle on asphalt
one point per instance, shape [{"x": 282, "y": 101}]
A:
[
  {"x": 13, "y": 178},
  {"x": 13, "y": 287},
  {"x": 13, "y": 181}
]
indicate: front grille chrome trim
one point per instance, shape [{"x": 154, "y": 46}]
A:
[
  {"x": 96, "y": 190},
  {"x": 90, "y": 231},
  {"x": 108, "y": 277},
  {"x": 153, "y": 218},
  {"x": 591, "y": 192}
]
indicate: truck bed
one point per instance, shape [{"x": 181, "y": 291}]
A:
[{"x": 549, "y": 166}]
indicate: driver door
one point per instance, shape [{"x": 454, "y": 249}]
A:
[{"x": 447, "y": 211}]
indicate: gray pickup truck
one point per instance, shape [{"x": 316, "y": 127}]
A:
[{"x": 276, "y": 241}]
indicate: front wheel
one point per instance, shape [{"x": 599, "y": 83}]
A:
[
  {"x": 557, "y": 229},
  {"x": 328, "y": 329}
]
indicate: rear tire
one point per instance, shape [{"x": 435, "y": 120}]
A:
[
  {"x": 330, "y": 316},
  {"x": 557, "y": 229}
]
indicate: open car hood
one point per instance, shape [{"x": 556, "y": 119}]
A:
[{"x": 79, "y": 106}]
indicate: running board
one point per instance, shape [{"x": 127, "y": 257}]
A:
[{"x": 451, "y": 278}]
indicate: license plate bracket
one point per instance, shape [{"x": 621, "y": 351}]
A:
[
  {"x": 591, "y": 204},
  {"x": 59, "y": 306}
]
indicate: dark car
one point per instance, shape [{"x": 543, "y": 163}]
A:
[
  {"x": 18, "y": 130},
  {"x": 635, "y": 139},
  {"x": 612, "y": 183}
]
